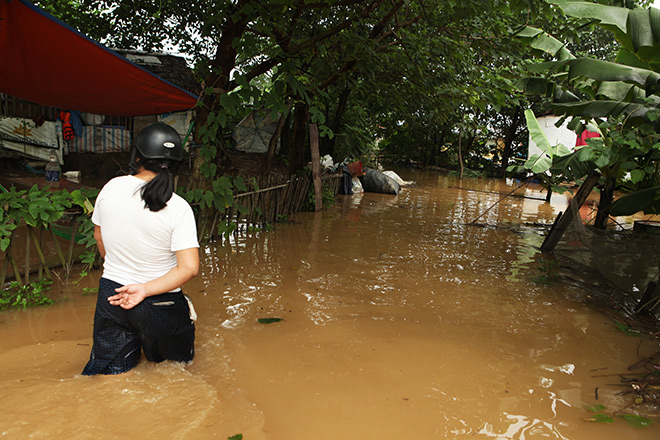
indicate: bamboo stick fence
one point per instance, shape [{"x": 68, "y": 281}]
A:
[{"x": 278, "y": 199}]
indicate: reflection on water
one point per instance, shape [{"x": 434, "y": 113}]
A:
[{"x": 400, "y": 319}]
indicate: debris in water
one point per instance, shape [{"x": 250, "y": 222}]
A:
[{"x": 268, "y": 320}]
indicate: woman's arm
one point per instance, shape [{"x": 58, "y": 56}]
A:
[
  {"x": 187, "y": 267},
  {"x": 99, "y": 240}
]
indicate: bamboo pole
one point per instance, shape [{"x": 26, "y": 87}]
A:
[
  {"x": 499, "y": 201},
  {"x": 58, "y": 248},
  {"x": 27, "y": 258},
  {"x": 72, "y": 242},
  {"x": 3, "y": 274},
  {"x": 564, "y": 221},
  {"x": 41, "y": 240},
  {"x": 40, "y": 252},
  {"x": 14, "y": 267}
]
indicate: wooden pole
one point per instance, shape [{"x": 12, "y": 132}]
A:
[
  {"x": 565, "y": 219},
  {"x": 499, "y": 201},
  {"x": 316, "y": 165}
]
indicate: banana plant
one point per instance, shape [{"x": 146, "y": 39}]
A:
[
  {"x": 544, "y": 165},
  {"x": 622, "y": 97}
]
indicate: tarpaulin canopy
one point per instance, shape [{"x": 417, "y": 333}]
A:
[{"x": 47, "y": 62}]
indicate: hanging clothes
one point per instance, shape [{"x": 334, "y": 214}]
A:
[{"x": 67, "y": 128}]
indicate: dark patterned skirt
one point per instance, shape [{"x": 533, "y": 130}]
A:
[{"x": 160, "y": 326}]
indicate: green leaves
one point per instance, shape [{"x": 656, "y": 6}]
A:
[
  {"x": 544, "y": 42},
  {"x": 636, "y": 420},
  {"x": 633, "y": 420},
  {"x": 607, "y": 15},
  {"x": 29, "y": 295},
  {"x": 647, "y": 200}
]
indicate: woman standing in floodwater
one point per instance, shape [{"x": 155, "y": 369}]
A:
[{"x": 148, "y": 238}]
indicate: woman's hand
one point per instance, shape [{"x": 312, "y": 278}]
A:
[
  {"x": 128, "y": 296},
  {"x": 187, "y": 266}
]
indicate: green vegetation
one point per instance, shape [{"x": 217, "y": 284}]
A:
[
  {"x": 548, "y": 269},
  {"x": 626, "y": 329},
  {"x": 618, "y": 99},
  {"x": 24, "y": 296},
  {"x": 431, "y": 83},
  {"x": 634, "y": 420},
  {"x": 39, "y": 209},
  {"x": 217, "y": 200},
  {"x": 327, "y": 196}
]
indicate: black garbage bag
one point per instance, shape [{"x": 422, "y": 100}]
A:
[
  {"x": 375, "y": 181},
  {"x": 346, "y": 182}
]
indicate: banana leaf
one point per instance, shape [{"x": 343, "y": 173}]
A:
[
  {"x": 607, "y": 71},
  {"x": 628, "y": 58},
  {"x": 536, "y": 133},
  {"x": 637, "y": 29},
  {"x": 541, "y": 40},
  {"x": 619, "y": 91},
  {"x": 601, "y": 109},
  {"x": 647, "y": 200},
  {"x": 610, "y": 16},
  {"x": 571, "y": 166}
]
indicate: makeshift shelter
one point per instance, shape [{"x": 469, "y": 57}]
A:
[{"x": 50, "y": 64}]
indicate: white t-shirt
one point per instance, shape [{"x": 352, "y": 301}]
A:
[{"x": 140, "y": 244}]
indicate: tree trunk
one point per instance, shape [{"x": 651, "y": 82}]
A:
[
  {"x": 327, "y": 144},
  {"x": 509, "y": 136},
  {"x": 299, "y": 136},
  {"x": 219, "y": 81},
  {"x": 268, "y": 160},
  {"x": 606, "y": 197}
]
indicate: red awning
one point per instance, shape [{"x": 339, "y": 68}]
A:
[{"x": 47, "y": 62}]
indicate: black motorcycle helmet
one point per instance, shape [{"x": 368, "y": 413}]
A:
[{"x": 159, "y": 141}]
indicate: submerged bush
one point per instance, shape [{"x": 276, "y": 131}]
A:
[{"x": 25, "y": 296}]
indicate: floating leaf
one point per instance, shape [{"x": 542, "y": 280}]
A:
[
  {"x": 636, "y": 421},
  {"x": 268, "y": 320},
  {"x": 602, "y": 418},
  {"x": 626, "y": 330}
]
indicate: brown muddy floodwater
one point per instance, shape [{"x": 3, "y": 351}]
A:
[{"x": 400, "y": 321}]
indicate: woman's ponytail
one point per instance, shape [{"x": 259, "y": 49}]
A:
[
  {"x": 158, "y": 191},
  {"x": 159, "y": 150}
]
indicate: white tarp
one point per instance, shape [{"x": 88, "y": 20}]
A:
[
  {"x": 398, "y": 179},
  {"x": 23, "y": 135},
  {"x": 556, "y": 135},
  {"x": 180, "y": 121}
]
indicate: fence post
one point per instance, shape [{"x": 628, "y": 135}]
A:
[{"x": 316, "y": 165}]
